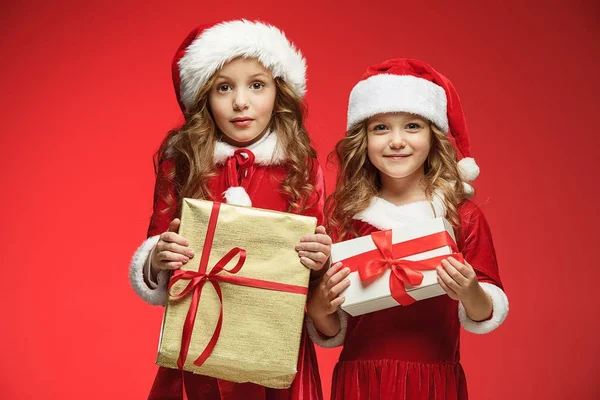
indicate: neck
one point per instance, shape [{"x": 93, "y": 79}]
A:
[{"x": 399, "y": 191}]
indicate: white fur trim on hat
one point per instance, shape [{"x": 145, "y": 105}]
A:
[
  {"x": 157, "y": 296},
  {"x": 499, "y": 311},
  {"x": 323, "y": 341},
  {"x": 382, "y": 214},
  {"x": 237, "y": 196},
  {"x": 266, "y": 151},
  {"x": 386, "y": 93},
  {"x": 223, "y": 42},
  {"x": 468, "y": 169}
]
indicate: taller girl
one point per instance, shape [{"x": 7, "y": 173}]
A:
[
  {"x": 240, "y": 85},
  {"x": 398, "y": 166}
]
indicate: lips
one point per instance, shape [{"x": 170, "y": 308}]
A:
[
  {"x": 242, "y": 122},
  {"x": 396, "y": 155}
]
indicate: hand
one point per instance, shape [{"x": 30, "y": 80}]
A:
[
  {"x": 314, "y": 250},
  {"x": 458, "y": 280},
  {"x": 325, "y": 299},
  {"x": 171, "y": 251}
]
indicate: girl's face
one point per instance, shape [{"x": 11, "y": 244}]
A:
[
  {"x": 242, "y": 101},
  {"x": 398, "y": 144}
]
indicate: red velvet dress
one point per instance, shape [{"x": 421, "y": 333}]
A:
[
  {"x": 413, "y": 352},
  {"x": 263, "y": 187}
]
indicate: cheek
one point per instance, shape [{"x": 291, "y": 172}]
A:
[
  {"x": 374, "y": 148},
  {"x": 265, "y": 104}
]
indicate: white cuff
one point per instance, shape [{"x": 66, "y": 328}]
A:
[
  {"x": 334, "y": 341},
  {"x": 156, "y": 295},
  {"x": 499, "y": 311}
]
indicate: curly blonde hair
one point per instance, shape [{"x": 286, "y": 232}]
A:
[
  {"x": 191, "y": 149},
  {"x": 358, "y": 180}
]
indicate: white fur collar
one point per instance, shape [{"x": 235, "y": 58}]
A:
[
  {"x": 384, "y": 215},
  {"x": 266, "y": 151}
]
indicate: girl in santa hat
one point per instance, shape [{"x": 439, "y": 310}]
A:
[
  {"x": 240, "y": 85},
  {"x": 398, "y": 165}
]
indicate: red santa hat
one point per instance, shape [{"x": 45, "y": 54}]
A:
[
  {"x": 207, "y": 48},
  {"x": 405, "y": 85}
]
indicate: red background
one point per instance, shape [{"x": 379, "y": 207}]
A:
[{"x": 86, "y": 98}]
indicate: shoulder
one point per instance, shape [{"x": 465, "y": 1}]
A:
[{"x": 469, "y": 211}]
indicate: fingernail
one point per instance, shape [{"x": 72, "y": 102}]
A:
[
  {"x": 191, "y": 253},
  {"x": 346, "y": 270}
]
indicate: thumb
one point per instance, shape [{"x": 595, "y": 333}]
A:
[
  {"x": 174, "y": 225},
  {"x": 321, "y": 230}
]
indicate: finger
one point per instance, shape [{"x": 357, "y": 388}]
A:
[
  {"x": 447, "y": 279},
  {"x": 315, "y": 256},
  {"x": 471, "y": 273},
  {"x": 337, "y": 278},
  {"x": 337, "y": 302},
  {"x": 172, "y": 265},
  {"x": 176, "y": 248},
  {"x": 455, "y": 273},
  {"x": 174, "y": 225},
  {"x": 173, "y": 237},
  {"x": 333, "y": 269},
  {"x": 321, "y": 229},
  {"x": 168, "y": 256},
  {"x": 319, "y": 238},
  {"x": 308, "y": 263},
  {"x": 313, "y": 246},
  {"x": 448, "y": 291},
  {"x": 337, "y": 289},
  {"x": 458, "y": 265}
]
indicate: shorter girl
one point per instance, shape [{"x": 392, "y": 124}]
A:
[{"x": 397, "y": 167}]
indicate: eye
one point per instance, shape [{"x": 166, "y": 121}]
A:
[
  {"x": 223, "y": 88},
  {"x": 379, "y": 127},
  {"x": 257, "y": 85},
  {"x": 413, "y": 126}
]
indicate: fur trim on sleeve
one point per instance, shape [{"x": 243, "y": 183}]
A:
[
  {"x": 334, "y": 341},
  {"x": 157, "y": 296},
  {"x": 499, "y": 311}
]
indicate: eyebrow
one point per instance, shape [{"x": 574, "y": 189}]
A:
[{"x": 259, "y": 74}]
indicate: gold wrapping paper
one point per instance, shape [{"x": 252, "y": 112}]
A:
[{"x": 260, "y": 336}]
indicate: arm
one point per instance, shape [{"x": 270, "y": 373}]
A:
[
  {"x": 326, "y": 323},
  {"x": 483, "y": 304},
  {"x": 152, "y": 288}
]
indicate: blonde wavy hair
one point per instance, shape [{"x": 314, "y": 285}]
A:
[
  {"x": 358, "y": 180},
  {"x": 191, "y": 149}
]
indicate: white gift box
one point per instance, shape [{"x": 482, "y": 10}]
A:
[{"x": 376, "y": 295}]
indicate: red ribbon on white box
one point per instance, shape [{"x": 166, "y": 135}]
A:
[{"x": 372, "y": 264}]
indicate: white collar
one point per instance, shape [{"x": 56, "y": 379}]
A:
[
  {"x": 266, "y": 151},
  {"x": 384, "y": 215}
]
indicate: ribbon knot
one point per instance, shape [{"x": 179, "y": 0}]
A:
[
  {"x": 240, "y": 167},
  {"x": 404, "y": 272}
]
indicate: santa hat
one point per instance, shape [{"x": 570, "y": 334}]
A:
[
  {"x": 207, "y": 48},
  {"x": 405, "y": 85}
]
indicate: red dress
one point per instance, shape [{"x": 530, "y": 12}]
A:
[
  {"x": 413, "y": 352},
  {"x": 263, "y": 187}
]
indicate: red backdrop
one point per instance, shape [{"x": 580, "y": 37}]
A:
[{"x": 86, "y": 98}]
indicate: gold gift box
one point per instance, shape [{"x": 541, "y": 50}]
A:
[{"x": 261, "y": 328}]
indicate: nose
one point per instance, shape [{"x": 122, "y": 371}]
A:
[
  {"x": 397, "y": 140},
  {"x": 240, "y": 100}
]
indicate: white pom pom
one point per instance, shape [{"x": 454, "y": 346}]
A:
[
  {"x": 468, "y": 169},
  {"x": 237, "y": 196},
  {"x": 469, "y": 190}
]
